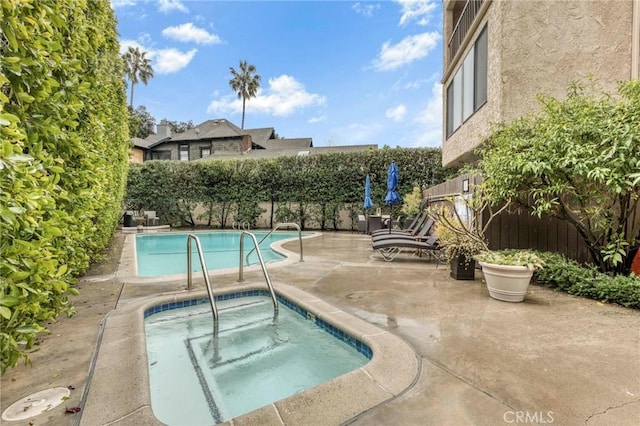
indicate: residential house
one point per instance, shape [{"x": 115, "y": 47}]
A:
[
  {"x": 500, "y": 54},
  {"x": 221, "y": 139}
]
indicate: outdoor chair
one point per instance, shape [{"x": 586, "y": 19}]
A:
[
  {"x": 420, "y": 234},
  {"x": 389, "y": 249},
  {"x": 412, "y": 229},
  {"x": 152, "y": 219}
]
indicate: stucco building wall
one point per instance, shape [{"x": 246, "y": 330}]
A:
[{"x": 539, "y": 47}]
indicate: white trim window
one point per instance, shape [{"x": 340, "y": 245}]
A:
[
  {"x": 183, "y": 154},
  {"x": 468, "y": 90}
]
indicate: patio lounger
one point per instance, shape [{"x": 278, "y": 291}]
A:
[
  {"x": 421, "y": 234},
  {"x": 390, "y": 248},
  {"x": 413, "y": 227}
]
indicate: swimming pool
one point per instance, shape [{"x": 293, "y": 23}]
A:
[
  {"x": 256, "y": 357},
  {"x": 166, "y": 254}
]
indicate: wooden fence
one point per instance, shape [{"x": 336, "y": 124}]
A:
[{"x": 520, "y": 229}]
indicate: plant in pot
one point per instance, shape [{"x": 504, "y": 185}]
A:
[
  {"x": 460, "y": 232},
  {"x": 508, "y": 272},
  {"x": 459, "y": 250}
]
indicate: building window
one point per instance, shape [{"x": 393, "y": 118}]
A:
[
  {"x": 468, "y": 90},
  {"x": 205, "y": 152},
  {"x": 160, "y": 155},
  {"x": 184, "y": 153}
]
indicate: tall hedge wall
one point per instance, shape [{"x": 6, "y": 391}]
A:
[
  {"x": 304, "y": 189},
  {"x": 64, "y": 159}
]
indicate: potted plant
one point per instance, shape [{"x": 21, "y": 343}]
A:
[
  {"x": 460, "y": 232},
  {"x": 508, "y": 272},
  {"x": 459, "y": 251}
]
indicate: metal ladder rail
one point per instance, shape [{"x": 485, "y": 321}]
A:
[
  {"x": 275, "y": 228},
  {"x": 205, "y": 273},
  {"x": 262, "y": 265}
]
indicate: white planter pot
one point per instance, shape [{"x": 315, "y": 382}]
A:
[{"x": 506, "y": 282}]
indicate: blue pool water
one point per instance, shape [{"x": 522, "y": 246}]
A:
[
  {"x": 166, "y": 254},
  {"x": 257, "y": 358}
]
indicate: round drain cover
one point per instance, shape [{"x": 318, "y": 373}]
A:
[{"x": 36, "y": 404}]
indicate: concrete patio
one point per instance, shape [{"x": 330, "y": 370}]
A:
[{"x": 554, "y": 359}]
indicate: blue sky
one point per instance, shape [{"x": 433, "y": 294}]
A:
[{"x": 340, "y": 72}]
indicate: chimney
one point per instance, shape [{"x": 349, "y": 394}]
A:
[
  {"x": 246, "y": 143},
  {"x": 163, "y": 131}
]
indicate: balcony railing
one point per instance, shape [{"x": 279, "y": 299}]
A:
[{"x": 459, "y": 33}]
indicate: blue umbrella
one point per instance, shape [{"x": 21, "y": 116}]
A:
[
  {"x": 392, "y": 185},
  {"x": 367, "y": 193}
]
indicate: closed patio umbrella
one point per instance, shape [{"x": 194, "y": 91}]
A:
[
  {"x": 393, "y": 176},
  {"x": 367, "y": 193}
]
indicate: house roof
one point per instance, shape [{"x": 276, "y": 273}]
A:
[
  {"x": 140, "y": 143},
  {"x": 210, "y": 129},
  {"x": 259, "y": 136}
]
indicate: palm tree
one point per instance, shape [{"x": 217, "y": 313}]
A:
[
  {"x": 137, "y": 67},
  {"x": 244, "y": 84}
]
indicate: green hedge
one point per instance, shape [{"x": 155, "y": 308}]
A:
[
  {"x": 63, "y": 124},
  {"x": 310, "y": 189},
  {"x": 571, "y": 277}
]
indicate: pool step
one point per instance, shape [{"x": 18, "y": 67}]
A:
[{"x": 239, "y": 342}]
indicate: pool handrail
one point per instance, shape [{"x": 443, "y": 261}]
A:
[
  {"x": 275, "y": 228},
  {"x": 262, "y": 265},
  {"x": 205, "y": 273}
]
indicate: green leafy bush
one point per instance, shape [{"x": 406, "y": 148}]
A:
[
  {"x": 569, "y": 276},
  {"x": 576, "y": 160},
  {"x": 511, "y": 257},
  {"x": 308, "y": 190},
  {"x": 63, "y": 125}
]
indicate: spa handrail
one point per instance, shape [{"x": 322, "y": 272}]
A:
[
  {"x": 262, "y": 265},
  {"x": 205, "y": 272},
  {"x": 275, "y": 228}
]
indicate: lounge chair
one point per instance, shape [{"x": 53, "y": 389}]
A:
[
  {"x": 421, "y": 234},
  {"x": 389, "y": 249},
  {"x": 412, "y": 229}
]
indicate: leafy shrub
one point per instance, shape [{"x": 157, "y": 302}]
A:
[
  {"x": 313, "y": 188},
  {"x": 63, "y": 126},
  {"x": 576, "y": 160},
  {"x": 569, "y": 276}
]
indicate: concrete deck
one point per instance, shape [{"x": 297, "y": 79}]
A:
[{"x": 554, "y": 359}]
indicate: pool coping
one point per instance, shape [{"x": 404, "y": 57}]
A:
[
  {"x": 128, "y": 272},
  {"x": 119, "y": 392}
]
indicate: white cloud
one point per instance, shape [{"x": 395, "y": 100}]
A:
[
  {"x": 317, "y": 119},
  {"x": 122, "y": 3},
  {"x": 166, "y": 6},
  {"x": 189, "y": 32},
  {"x": 163, "y": 61},
  {"x": 419, "y": 11},
  {"x": 410, "y": 49},
  {"x": 397, "y": 113},
  {"x": 169, "y": 61},
  {"x": 365, "y": 9},
  {"x": 284, "y": 96},
  {"x": 125, "y": 44},
  {"x": 430, "y": 119}
]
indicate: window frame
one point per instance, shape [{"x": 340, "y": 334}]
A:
[
  {"x": 462, "y": 102},
  {"x": 183, "y": 148}
]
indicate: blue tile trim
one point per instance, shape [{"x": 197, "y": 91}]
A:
[{"x": 355, "y": 343}]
